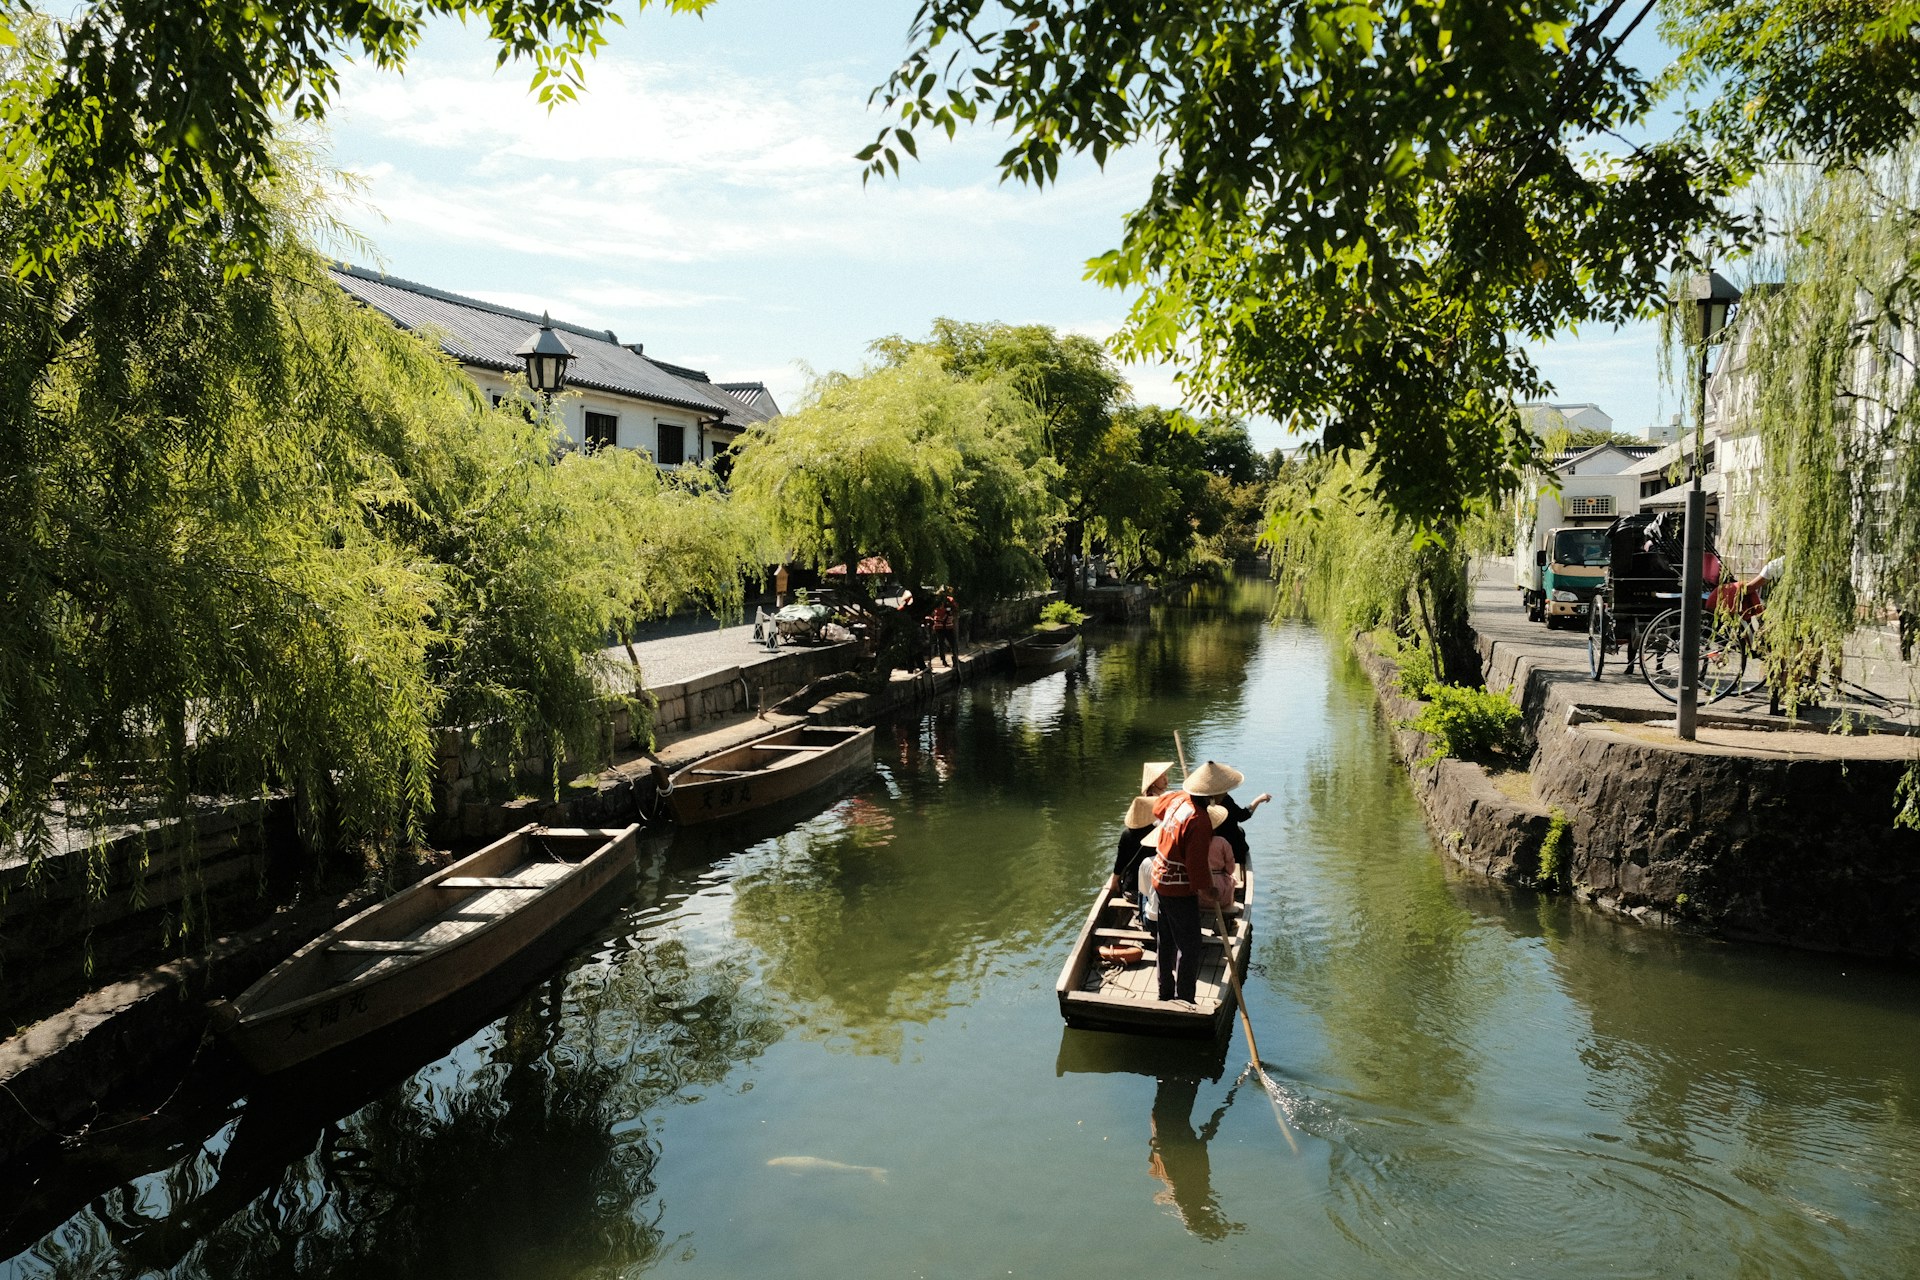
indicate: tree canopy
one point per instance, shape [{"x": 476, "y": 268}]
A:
[
  {"x": 941, "y": 475},
  {"x": 1143, "y": 487},
  {"x": 1362, "y": 210}
]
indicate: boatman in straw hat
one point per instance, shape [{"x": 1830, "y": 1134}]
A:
[{"x": 1182, "y": 878}]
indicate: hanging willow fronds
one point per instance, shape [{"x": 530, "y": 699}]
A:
[{"x": 1830, "y": 363}]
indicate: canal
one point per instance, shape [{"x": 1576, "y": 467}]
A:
[{"x": 829, "y": 1047}]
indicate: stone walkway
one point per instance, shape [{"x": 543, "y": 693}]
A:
[{"x": 671, "y": 659}]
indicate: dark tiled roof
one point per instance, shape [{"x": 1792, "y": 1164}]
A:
[
  {"x": 483, "y": 334},
  {"x": 755, "y": 396}
]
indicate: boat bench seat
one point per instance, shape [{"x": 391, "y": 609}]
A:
[
  {"x": 486, "y": 882},
  {"x": 381, "y": 946},
  {"x": 1134, "y": 935}
]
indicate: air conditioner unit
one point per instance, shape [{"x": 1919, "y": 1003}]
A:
[{"x": 1601, "y": 506}]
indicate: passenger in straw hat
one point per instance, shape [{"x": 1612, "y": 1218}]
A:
[
  {"x": 1131, "y": 853},
  {"x": 1220, "y": 859},
  {"x": 1182, "y": 879},
  {"x": 1153, "y": 777}
]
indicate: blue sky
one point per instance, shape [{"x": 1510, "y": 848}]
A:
[{"x": 701, "y": 197}]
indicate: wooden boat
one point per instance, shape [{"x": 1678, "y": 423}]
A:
[
  {"x": 1044, "y": 648},
  {"x": 423, "y": 945},
  {"x": 767, "y": 770},
  {"x": 1116, "y": 996}
]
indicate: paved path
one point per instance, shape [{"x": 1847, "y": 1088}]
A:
[
  {"x": 669, "y": 659},
  {"x": 1872, "y": 658}
]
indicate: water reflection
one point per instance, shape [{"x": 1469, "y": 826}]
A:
[
  {"x": 542, "y": 1124},
  {"x": 1177, "y": 1157}
]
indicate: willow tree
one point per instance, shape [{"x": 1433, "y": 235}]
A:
[
  {"x": 252, "y": 536},
  {"x": 1829, "y": 358},
  {"x": 943, "y": 476}
]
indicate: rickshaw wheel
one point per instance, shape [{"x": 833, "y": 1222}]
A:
[{"x": 1597, "y": 637}]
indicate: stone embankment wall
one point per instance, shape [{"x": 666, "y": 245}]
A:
[
  {"x": 1478, "y": 824},
  {"x": 1777, "y": 837}
]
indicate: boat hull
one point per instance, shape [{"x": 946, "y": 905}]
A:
[
  {"x": 766, "y": 771},
  {"x": 1039, "y": 651},
  {"x": 1099, "y": 995},
  {"x": 297, "y": 1012}
]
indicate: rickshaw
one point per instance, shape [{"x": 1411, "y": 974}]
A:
[{"x": 1639, "y": 607}]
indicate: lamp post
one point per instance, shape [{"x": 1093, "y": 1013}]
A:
[
  {"x": 1714, "y": 297},
  {"x": 546, "y": 355}
]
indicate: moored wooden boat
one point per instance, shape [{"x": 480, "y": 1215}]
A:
[
  {"x": 1119, "y": 996},
  {"x": 423, "y": 945},
  {"x": 1044, "y": 648},
  {"x": 767, "y": 770}
]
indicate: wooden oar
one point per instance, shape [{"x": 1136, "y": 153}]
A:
[{"x": 1239, "y": 996}]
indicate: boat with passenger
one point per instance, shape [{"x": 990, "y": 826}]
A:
[{"x": 1109, "y": 981}]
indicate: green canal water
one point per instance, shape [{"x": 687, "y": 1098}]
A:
[{"x": 829, "y": 1047}]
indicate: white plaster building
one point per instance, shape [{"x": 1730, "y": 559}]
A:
[{"x": 616, "y": 393}]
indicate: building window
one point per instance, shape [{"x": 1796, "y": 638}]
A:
[
  {"x": 496, "y": 397},
  {"x": 673, "y": 444},
  {"x": 601, "y": 428}
]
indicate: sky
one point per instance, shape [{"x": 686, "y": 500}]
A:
[{"x": 701, "y": 197}]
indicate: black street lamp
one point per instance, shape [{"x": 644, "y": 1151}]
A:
[
  {"x": 545, "y": 354},
  {"x": 1715, "y": 297}
]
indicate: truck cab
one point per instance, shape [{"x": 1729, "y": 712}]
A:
[{"x": 1573, "y": 567}]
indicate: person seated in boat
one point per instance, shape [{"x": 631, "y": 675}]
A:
[
  {"x": 1153, "y": 777},
  {"x": 1220, "y": 860},
  {"x": 1131, "y": 852},
  {"x": 1238, "y": 813},
  {"x": 1182, "y": 877}
]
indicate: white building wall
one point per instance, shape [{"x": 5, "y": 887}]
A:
[{"x": 637, "y": 422}]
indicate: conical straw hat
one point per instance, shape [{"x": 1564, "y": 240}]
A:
[
  {"x": 1212, "y": 779},
  {"x": 1152, "y": 771},
  {"x": 1217, "y": 815},
  {"x": 1140, "y": 813}
]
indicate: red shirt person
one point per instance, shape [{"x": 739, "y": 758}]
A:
[{"x": 1182, "y": 878}]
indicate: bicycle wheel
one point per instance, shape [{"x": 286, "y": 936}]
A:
[
  {"x": 1723, "y": 657},
  {"x": 1597, "y": 636},
  {"x": 1660, "y": 654}
]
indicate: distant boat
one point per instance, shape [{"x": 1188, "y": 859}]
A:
[
  {"x": 767, "y": 770},
  {"x": 1045, "y": 648},
  {"x": 422, "y": 945},
  {"x": 1123, "y": 994}
]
